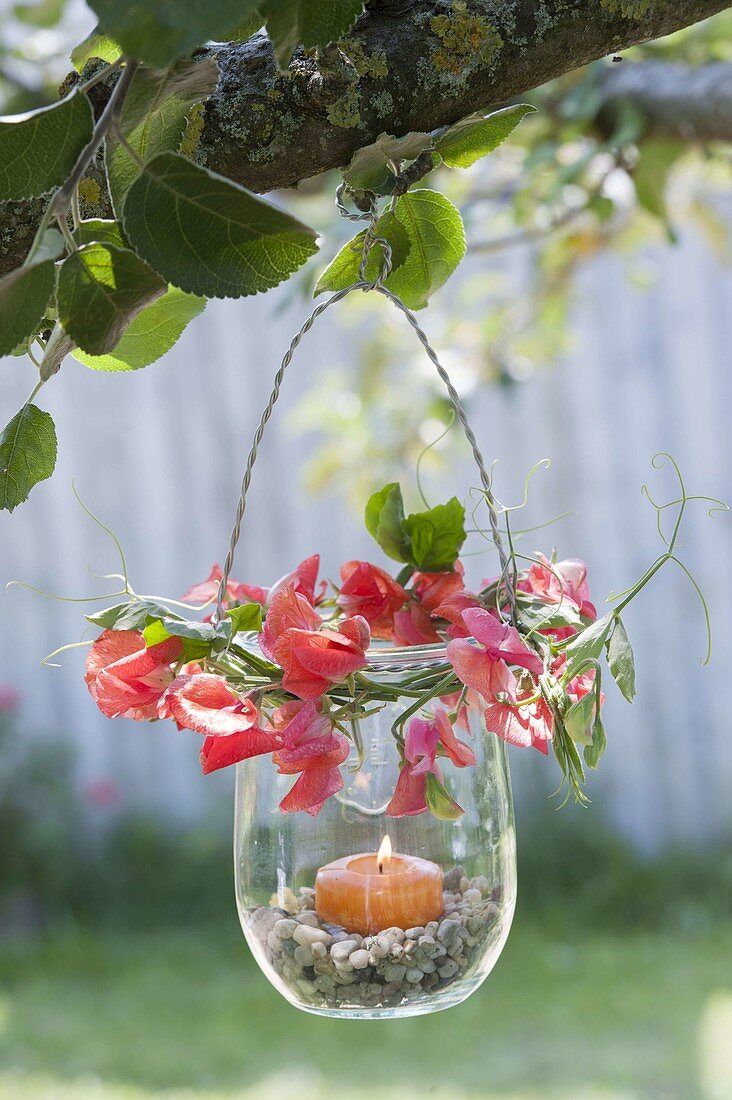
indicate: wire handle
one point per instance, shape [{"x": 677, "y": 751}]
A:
[{"x": 370, "y": 239}]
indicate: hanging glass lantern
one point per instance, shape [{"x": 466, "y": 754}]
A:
[{"x": 355, "y": 913}]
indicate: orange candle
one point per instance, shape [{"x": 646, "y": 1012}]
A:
[{"x": 369, "y": 892}]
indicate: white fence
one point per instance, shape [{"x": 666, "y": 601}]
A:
[{"x": 158, "y": 455}]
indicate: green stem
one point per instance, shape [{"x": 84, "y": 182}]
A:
[{"x": 61, "y": 200}]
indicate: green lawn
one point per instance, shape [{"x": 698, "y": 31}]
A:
[{"x": 174, "y": 1015}]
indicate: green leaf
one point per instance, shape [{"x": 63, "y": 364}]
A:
[
  {"x": 130, "y": 615},
  {"x": 27, "y": 455},
  {"x": 535, "y": 614},
  {"x": 208, "y": 235},
  {"x": 153, "y": 332},
  {"x": 578, "y": 718},
  {"x": 100, "y": 289},
  {"x": 50, "y": 246},
  {"x": 587, "y": 645},
  {"x": 108, "y": 616},
  {"x": 100, "y": 231},
  {"x": 198, "y": 632},
  {"x": 650, "y": 176},
  {"x": 343, "y": 270},
  {"x": 159, "y": 31},
  {"x": 293, "y": 23},
  {"x": 438, "y": 800},
  {"x": 248, "y": 616},
  {"x": 45, "y": 13},
  {"x": 193, "y": 649},
  {"x": 621, "y": 661},
  {"x": 24, "y": 295},
  {"x": 436, "y": 536},
  {"x": 437, "y": 245},
  {"x": 95, "y": 45},
  {"x": 593, "y": 752},
  {"x": 39, "y": 149},
  {"x": 477, "y": 135},
  {"x": 385, "y": 522},
  {"x": 369, "y": 168},
  {"x": 154, "y": 118}
]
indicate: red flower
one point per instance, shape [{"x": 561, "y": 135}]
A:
[
  {"x": 126, "y": 679},
  {"x": 452, "y": 608},
  {"x": 303, "y": 579},
  {"x": 424, "y": 737},
  {"x": 414, "y": 626},
  {"x": 372, "y": 593},
  {"x": 312, "y": 748},
  {"x": 432, "y": 589},
  {"x": 206, "y": 591},
  {"x": 563, "y": 580},
  {"x": 311, "y": 657},
  {"x": 206, "y": 704},
  {"x": 501, "y": 641}
]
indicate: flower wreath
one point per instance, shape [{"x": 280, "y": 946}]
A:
[{"x": 282, "y": 670}]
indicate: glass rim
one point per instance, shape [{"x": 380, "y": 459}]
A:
[{"x": 380, "y": 658}]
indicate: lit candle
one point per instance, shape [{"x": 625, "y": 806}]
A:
[{"x": 372, "y": 891}]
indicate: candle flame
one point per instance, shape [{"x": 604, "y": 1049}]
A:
[{"x": 384, "y": 853}]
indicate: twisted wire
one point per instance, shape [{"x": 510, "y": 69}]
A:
[{"x": 370, "y": 239}]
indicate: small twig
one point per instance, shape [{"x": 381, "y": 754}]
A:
[{"x": 62, "y": 199}]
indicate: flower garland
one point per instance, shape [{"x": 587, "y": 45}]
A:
[{"x": 284, "y": 672}]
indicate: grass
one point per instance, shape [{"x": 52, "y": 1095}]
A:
[{"x": 166, "y": 1013}]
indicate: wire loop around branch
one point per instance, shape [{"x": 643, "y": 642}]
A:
[{"x": 370, "y": 240}]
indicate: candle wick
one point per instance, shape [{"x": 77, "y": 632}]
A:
[{"x": 381, "y": 866}]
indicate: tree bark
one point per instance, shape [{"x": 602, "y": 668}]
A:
[{"x": 407, "y": 65}]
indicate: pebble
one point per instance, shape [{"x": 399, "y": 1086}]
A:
[
  {"x": 339, "y": 952},
  {"x": 324, "y": 964},
  {"x": 447, "y": 932},
  {"x": 284, "y": 928},
  {"x": 306, "y": 934},
  {"x": 304, "y": 956},
  {"x": 308, "y": 916}
]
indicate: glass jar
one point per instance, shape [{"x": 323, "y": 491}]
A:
[{"x": 452, "y": 941}]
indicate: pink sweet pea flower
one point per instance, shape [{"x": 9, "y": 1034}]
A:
[
  {"x": 303, "y": 579},
  {"x": 9, "y": 698},
  {"x": 311, "y": 747},
  {"x": 432, "y": 589},
  {"x": 501, "y": 641},
  {"x": 424, "y": 736},
  {"x": 311, "y": 657},
  {"x": 452, "y": 608},
  {"x": 205, "y": 703},
  {"x": 221, "y": 752},
  {"x": 563, "y": 580},
  {"x": 205, "y": 592},
  {"x": 414, "y": 626},
  {"x": 125, "y": 678},
  {"x": 369, "y": 591},
  {"x": 527, "y": 725}
]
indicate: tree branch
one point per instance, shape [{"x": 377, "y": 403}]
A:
[
  {"x": 414, "y": 70},
  {"x": 408, "y": 65},
  {"x": 692, "y": 103}
]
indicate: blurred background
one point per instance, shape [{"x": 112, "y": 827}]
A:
[{"x": 591, "y": 325}]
